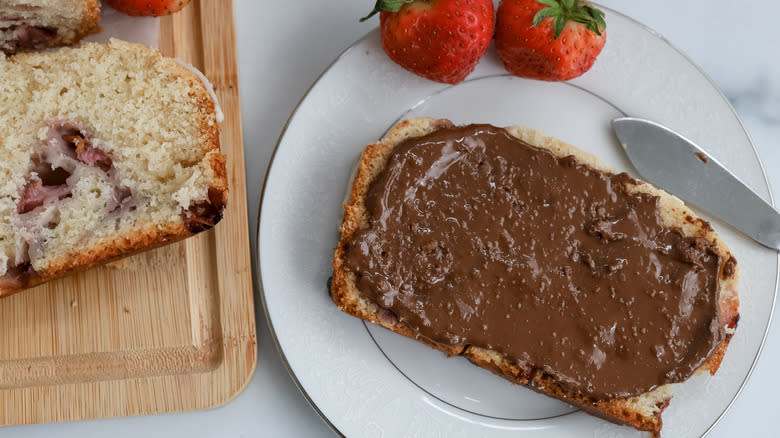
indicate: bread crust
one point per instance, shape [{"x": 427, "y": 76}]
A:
[
  {"x": 90, "y": 10},
  {"x": 156, "y": 234},
  {"x": 642, "y": 412},
  {"x": 79, "y": 20}
]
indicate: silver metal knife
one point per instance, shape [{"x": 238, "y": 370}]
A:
[{"x": 671, "y": 161}]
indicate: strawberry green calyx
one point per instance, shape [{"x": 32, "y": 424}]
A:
[
  {"x": 386, "y": 5},
  {"x": 563, "y": 11}
]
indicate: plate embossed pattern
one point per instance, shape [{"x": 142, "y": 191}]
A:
[{"x": 334, "y": 361}]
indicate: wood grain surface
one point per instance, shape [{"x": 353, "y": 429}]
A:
[{"x": 167, "y": 330}]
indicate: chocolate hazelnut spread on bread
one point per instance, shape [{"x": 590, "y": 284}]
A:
[{"x": 477, "y": 238}]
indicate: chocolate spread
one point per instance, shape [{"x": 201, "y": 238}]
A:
[{"x": 477, "y": 238}]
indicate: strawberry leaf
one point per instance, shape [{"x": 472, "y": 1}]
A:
[
  {"x": 386, "y": 5},
  {"x": 544, "y": 13},
  {"x": 560, "y": 23},
  {"x": 597, "y": 17},
  {"x": 563, "y": 11}
]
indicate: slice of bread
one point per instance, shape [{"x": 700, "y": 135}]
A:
[
  {"x": 109, "y": 149},
  {"x": 643, "y": 411},
  {"x": 27, "y": 25}
]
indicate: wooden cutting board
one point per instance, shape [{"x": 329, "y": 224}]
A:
[{"x": 167, "y": 330}]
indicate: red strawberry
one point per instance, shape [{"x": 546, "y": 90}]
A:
[
  {"x": 441, "y": 40},
  {"x": 145, "y": 8},
  {"x": 550, "y": 40}
]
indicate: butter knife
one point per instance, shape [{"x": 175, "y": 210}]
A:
[{"x": 671, "y": 161}]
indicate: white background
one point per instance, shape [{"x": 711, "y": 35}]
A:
[{"x": 284, "y": 45}]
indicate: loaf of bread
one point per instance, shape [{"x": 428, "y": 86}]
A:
[
  {"x": 108, "y": 150},
  {"x": 641, "y": 411},
  {"x": 27, "y": 25}
]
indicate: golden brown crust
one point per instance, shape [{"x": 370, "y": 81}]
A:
[
  {"x": 642, "y": 412},
  {"x": 90, "y": 23},
  {"x": 618, "y": 411},
  {"x": 621, "y": 411},
  {"x": 106, "y": 252},
  {"x": 153, "y": 235}
]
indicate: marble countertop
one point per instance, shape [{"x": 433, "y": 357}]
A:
[{"x": 283, "y": 47}]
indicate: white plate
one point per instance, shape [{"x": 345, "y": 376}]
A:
[{"x": 366, "y": 381}]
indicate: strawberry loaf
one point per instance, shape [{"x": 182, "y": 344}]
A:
[
  {"x": 109, "y": 149},
  {"x": 27, "y": 25}
]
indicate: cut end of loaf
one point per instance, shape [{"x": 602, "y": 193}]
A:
[
  {"x": 31, "y": 25},
  {"x": 111, "y": 149}
]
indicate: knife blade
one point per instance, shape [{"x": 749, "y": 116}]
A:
[{"x": 676, "y": 164}]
